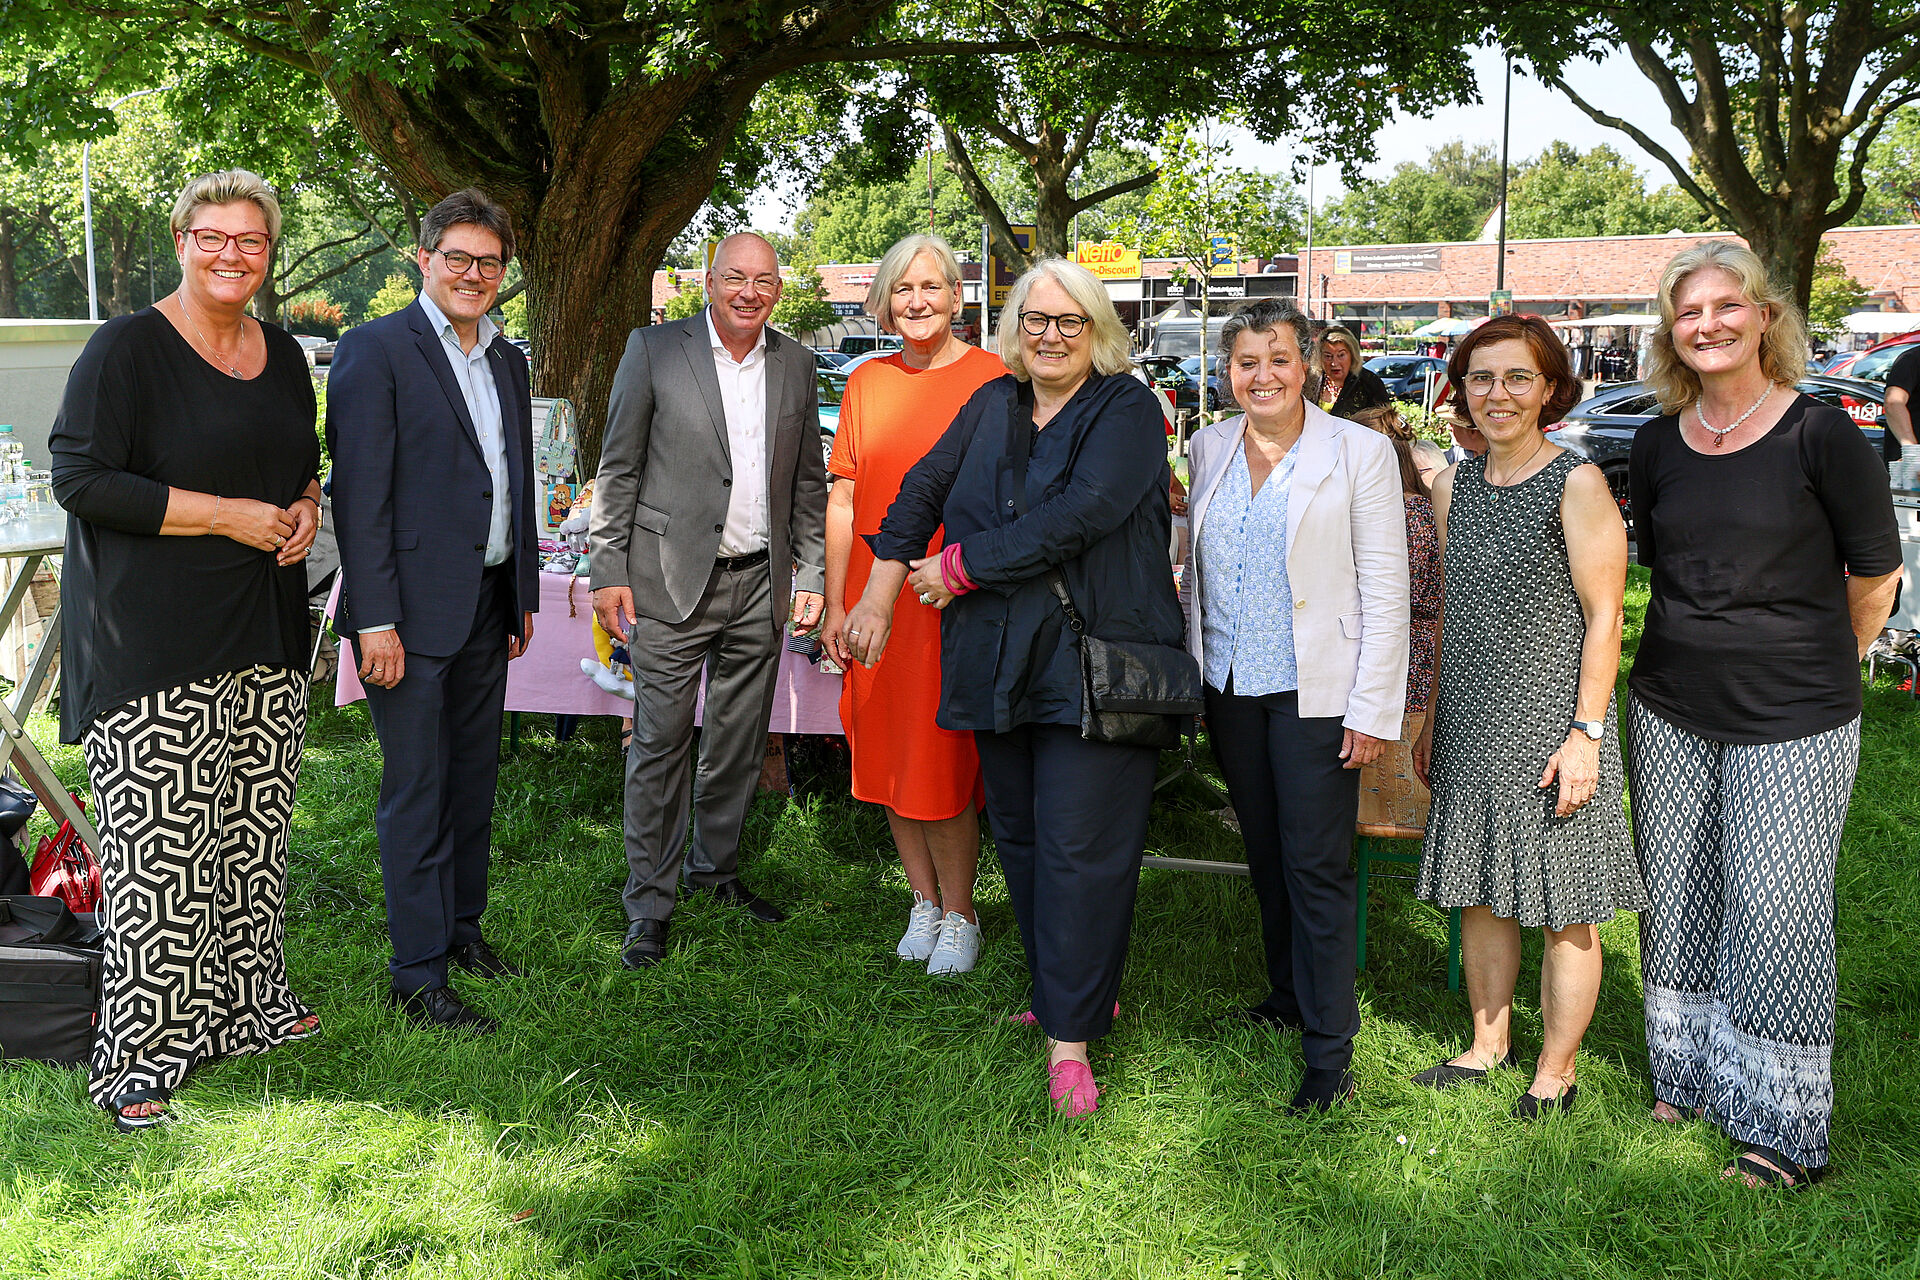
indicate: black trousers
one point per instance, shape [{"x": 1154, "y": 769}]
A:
[
  {"x": 439, "y": 732},
  {"x": 1069, "y": 820},
  {"x": 1297, "y": 807}
]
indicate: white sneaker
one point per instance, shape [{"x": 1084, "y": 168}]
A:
[
  {"x": 923, "y": 930},
  {"x": 607, "y": 678},
  {"x": 959, "y": 946}
]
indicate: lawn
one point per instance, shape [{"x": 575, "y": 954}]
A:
[{"x": 793, "y": 1102}]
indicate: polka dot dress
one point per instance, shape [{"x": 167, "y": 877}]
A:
[{"x": 1509, "y": 675}]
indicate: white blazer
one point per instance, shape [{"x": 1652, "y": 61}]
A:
[{"x": 1346, "y": 561}]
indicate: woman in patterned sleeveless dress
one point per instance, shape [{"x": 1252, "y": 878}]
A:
[{"x": 1526, "y": 828}]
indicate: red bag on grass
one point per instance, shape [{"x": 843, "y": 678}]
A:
[{"x": 66, "y": 869}]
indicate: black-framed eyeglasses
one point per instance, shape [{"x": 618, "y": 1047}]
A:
[
  {"x": 1517, "y": 382},
  {"x": 251, "y": 243},
  {"x": 1036, "y": 322},
  {"x": 460, "y": 263}
]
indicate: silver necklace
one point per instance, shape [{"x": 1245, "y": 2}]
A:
[
  {"x": 1720, "y": 434},
  {"x": 232, "y": 368},
  {"x": 1515, "y": 470}
]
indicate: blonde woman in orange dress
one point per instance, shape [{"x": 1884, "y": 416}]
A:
[{"x": 927, "y": 778}]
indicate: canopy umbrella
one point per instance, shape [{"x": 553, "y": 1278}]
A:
[
  {"x": 1450, "y": 328},
  {"x": 1882, "y": 322}
]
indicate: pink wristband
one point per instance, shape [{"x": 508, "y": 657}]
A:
[{"x": 953, "y": 571}]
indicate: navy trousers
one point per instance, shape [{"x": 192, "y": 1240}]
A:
[
  {"x": 439, "y": 731},
  {"x": 1069, "y": 821},
  {"x": 1297, "y": 807}
]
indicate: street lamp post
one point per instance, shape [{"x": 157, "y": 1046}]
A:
[{"x": 86, "y": 202}]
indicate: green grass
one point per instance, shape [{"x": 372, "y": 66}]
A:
[{"x": 792, "y": 1102}]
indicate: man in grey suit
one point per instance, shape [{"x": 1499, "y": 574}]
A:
[{"x": 711, "y": 500}]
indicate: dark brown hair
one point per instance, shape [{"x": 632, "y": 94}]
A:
[
  {"x": 473, "y": 208},
  {"x": 1387, "y": 421},
  {"x": 1547, "y": 351}
]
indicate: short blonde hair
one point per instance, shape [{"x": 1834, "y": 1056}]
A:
[
  {"x": 1111, "y": 349},
  {"x": 228, "y": 186},
  {"x": 1783, "y": 348},
  {"x": 1344, "y": 336},
  {"x": 895, "y": 264}
]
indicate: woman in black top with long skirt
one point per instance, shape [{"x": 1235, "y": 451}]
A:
[
  {"x": 1765, "y": 520},
  {"x": 185, "y": 455},
  {"x": 1069, "y": 816}
]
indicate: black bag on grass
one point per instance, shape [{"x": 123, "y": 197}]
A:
[{"x": 50, "y": 962}]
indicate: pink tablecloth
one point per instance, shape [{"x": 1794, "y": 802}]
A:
[{"x": 547, "y": 678}]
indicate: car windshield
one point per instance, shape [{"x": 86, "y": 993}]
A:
[
  {"x": 831, "y": 388},
  {"x": 1873, "y": 365}
]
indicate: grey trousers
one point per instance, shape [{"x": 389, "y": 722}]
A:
[{"x": 732, "y": 633}]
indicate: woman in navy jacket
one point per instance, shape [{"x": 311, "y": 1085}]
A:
[{"x": 1069, "y": 816}]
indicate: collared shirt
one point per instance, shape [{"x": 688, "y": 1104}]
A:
[
  {"x": 1247, "y": 625},
  {"x": 474, "y": 372},
  {"x": 743, "y": 396}
]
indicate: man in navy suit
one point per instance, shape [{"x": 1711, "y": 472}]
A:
[{"x": 430, "y": 423}]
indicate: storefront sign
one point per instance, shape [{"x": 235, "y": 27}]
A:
[
  {"x": 1003, "y": 273},
  {"x": 847, "y": 308},
  {"x": 1109, "y": 261},
  {"x": 1353, "y": 262}
]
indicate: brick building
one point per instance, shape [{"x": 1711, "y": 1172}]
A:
[{"x": 1575, "y": 277}]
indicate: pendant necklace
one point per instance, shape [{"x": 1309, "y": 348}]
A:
[
  {"x": 1720, "y": 434},
  {"x": 1515, "y": 470},
  {"x": 232, "y": 369}
]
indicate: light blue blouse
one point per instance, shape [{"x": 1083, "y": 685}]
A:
[{"x": 1247, "y": 611}]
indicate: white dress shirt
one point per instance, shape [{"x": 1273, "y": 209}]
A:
[
  {"x": 743, "y": 395},
  {"x": 473, "y": 371}
]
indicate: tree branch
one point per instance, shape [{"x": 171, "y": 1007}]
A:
[
  {"x": 287, "y": 269},
  {"x": 316, "y": 281},
  {"x": 1134, "y": 183},
  {"x": 960, "y": 164},
  {"x": 1681, "y": 174}
]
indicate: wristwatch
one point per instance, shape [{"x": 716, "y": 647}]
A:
[{"x": 1595, "y": 729}]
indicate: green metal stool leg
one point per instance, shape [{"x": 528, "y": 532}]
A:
[{"x": 1453, "y": 949}]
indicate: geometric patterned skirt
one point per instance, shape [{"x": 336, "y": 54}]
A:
[
  {"x": 193, "y": 789},
  {"x": 1738, "y": 844}
]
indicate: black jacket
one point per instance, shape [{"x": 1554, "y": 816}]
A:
[
  {"x": 1362, "y": 390},
  {"x": 1097, "y": 507}
]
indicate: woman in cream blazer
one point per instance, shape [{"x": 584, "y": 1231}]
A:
[{"x": 1296, "y": 594}]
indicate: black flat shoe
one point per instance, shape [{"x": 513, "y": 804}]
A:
[
  {"x": 1529, "y": 1107},
  {"x": 1321, "y": 1091},
  {"x": 443, "y": 1009},
  {"x": 646, "y": 944},
  {"x": 1444, "y": 1075},
  {"x": 759, "y": 908},
  {"x": 479, "y": 958}
]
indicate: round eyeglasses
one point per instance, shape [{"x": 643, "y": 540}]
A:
[
  {"x": 1036, "y": 322},
  {"x": 460, "y": 263},
  {"x": 1517, "y": 382}
]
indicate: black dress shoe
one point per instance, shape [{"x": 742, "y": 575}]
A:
[
  {"x": 1261, "y": 1015},
  {"x": 443, "y": 1007},
  {"x": 479, "y": 958},
  {"x": 646, "y": 944},
  {"x": 760, "y": 908},
  {"x": 1320, "y": 1090}
]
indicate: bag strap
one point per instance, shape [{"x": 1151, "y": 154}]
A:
[{"x": 1020, "y": 448}]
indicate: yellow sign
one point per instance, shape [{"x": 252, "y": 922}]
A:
[
  {"x": 1109, "y": 261},
  {"x": 1002, "y": 275}
]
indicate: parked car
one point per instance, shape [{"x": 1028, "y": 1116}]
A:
[
  {"x": 1872, "y": 364},
  {"x": 1409, "y": 377},
  {"x": 1601, "y": 428},
  {"x": 1182, "y": 378},
  {"x": 833, "y": 388},
  {"x": 859, "y": 344},
  {"x": 322, "y": 354},
  {"x": 825, "y": 358}
]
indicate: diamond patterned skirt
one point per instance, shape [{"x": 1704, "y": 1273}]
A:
[{"x": 1738, "y": 844}]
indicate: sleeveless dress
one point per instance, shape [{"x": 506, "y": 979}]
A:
[{"x": 1509, "y": 675}]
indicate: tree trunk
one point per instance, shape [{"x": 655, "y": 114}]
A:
[
  {"x": 120, "y": 249},
  {"x": 9, "y": 266}
]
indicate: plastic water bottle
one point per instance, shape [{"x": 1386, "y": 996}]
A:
[{"x": 13, "y": 478}]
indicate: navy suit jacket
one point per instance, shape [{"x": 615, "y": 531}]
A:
[{"x": 412, "y": 496}]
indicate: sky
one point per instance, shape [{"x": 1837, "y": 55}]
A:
[{"x": 1540, "y": 116}]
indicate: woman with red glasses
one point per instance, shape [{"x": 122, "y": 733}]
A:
[{"x": 185, "y": 455}]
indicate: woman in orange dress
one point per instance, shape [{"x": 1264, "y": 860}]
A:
[{"x": 927, "y": 778}]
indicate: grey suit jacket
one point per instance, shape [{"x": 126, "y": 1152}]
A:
[{"x": 660, "y": 500}]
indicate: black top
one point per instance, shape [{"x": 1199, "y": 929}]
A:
[
  {"x": 1097, "y": 507},
  {"x": 143, "y": 412},
  {"x": 1362, "y": 390},
  {"x": 1748, "y": 638}
]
